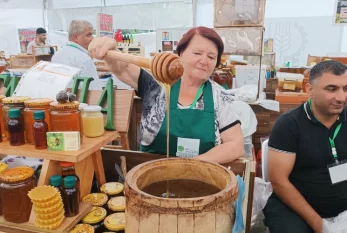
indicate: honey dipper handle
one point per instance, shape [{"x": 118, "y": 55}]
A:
[
  {"x": 123, "y": 166},
  {"x": 136, "y": 60}
]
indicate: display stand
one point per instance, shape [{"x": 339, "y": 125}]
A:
[{"x": 87, "y": 161}]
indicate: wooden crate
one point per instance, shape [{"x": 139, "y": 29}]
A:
[{"x": 291, "y": 97}]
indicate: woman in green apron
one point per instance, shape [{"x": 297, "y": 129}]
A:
[{"x": 202, "y": 116}]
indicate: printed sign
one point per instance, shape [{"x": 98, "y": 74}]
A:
[
  {"x": 49, "y": 77},
  {"x": 165, "y": 36},
  {"x": 341, "y": 12},
  {"x": 104, "y": 24},
  {"x": 25, "y": 36}
]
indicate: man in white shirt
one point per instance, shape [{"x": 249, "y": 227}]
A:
[
  {"x": 75, "y": 53},
  {"x": 39, "y": 44}
]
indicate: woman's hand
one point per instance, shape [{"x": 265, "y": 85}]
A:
[
  {"x": 100, "y": 46},
  {"x": 127, "y": 73},
  {"x": 232, "y": 147}
]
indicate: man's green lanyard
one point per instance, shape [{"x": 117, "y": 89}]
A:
[
  {"x": 198, "y": 94},
  {"x": 331, "y": 140},
  {"x": 39, "y": 47},
  {"x": 74, "y": 46}
]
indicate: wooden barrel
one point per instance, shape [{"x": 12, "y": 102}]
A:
[{"x": 150, "y": 214}]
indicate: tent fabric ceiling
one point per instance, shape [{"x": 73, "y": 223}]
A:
[{"x": 136, "y": 16}]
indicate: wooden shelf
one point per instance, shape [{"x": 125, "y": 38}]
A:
[
  {"x": 29, "y": 226},
  {"x": 87, "y": 161},
  {"x": 88, "y": 147}
]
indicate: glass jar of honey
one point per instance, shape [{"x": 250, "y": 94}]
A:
[
  {"x": 16, "y": 183},
  {"x": 65, "y": 117},
  {"x": 93, "y": 121},
  {"x": 2, "y": 125},
  {"x": 10, "y": 103},
  {"x": 3, "y": 167},
  {"x": 31, "y": 106}
]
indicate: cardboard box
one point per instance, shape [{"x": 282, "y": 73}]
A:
[{"x": 63, "y": 141}]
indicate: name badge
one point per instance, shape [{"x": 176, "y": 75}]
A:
[
  {"x": 338, "y": 172},
  {"x": 187, "y": 147}
]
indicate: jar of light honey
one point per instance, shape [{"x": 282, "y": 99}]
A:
[
  {"x": 93, "y": 121},
  {"x": 65, "y": 117},
  {"x": 2, "y": 125},
  {"x": 11, "y": 103},
  {"x": 31, "y": 106}
]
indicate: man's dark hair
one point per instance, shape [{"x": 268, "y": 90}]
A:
[
  {"x": 329, "y": 66},
  {"x": 40, "y": 31}
]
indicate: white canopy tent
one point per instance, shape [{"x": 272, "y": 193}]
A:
[{"x": 299, "y": 27}]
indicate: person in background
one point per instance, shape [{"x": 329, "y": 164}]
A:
[
  {"x": 304, "y": 145},
  {"x": 75, "y": 53},
  {"x": 39, "y": 44}
]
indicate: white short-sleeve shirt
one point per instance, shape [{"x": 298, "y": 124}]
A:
[
  {"x": 38, "y": 50},
  {"x": 75, "y": 55}
]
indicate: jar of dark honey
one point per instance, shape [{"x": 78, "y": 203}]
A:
[
  {"x": 10, "y": 103},
  {"x": 16, "y": 183},
  {"x": 30, "y": 107},
  {"x": 65, "y": 117}
]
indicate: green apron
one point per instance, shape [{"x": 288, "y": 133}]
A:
[{"x": 185, "y": 126}]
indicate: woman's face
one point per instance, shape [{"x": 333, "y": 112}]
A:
[{"x": 200, "y": 58}]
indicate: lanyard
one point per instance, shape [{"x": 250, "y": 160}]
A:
[
  {"x": 40, "y": 47},
  {"x": 198, "y": 94},
  {"x": 74, "y": 46},
  {"x": 331, "y": 140}
]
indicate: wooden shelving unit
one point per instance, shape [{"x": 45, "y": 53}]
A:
[
  {"x": 87, "y": 161},
  {"x": 132, "y": 49}
]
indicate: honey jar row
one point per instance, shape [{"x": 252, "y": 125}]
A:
[{"x": 24, "y": 119}]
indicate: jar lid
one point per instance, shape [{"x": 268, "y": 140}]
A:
[
  {"x": 115, "y": 222},
  {"x": 15, "y": 99},
  {"x": 55, "y": 180},
  {"x": 96, "y": 199},
  {"x": 69, "y": 105},
  {"x": 116, "y": 203},
  {"x": 39, "y": 102},
  {"x": 82, "y": 106},
  {"x": 97, "y": 214},
  {"x": 112, "y": 188},
  {"x": 67, "y": 164},
  {"x": 13, "y": 113},
  {"x": 85, "y": 228},
  {"x": 92, "y": 108},
  {"x": 69, "y": 182},
  {"x": 17, "y": 174},
  {"x": 39, "y": 115}
]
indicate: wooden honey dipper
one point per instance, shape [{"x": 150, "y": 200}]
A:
[{"x": 166, "y": 67}]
